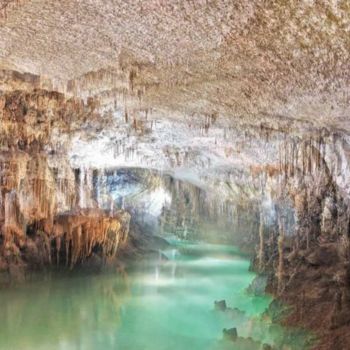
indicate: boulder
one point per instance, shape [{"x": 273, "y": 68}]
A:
[
  {"x": 230, "y": 334},
  {"x": 220, "y": 305}
]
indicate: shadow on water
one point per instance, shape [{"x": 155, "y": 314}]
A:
[{"x": 166, "y": 303}]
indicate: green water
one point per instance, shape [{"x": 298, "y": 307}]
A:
[{"x": 159, "y": 305}]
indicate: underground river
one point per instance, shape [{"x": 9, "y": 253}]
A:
[{"x": 161, "y": 303}]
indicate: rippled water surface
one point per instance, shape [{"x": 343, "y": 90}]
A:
[{"x": 159, "y": 305}]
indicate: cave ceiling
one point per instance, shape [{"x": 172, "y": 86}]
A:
[{"x": 185, "y": 66}]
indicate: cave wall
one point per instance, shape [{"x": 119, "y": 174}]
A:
[
  {"x": 302, "y": 244},
  {"x": 279, "y": 192},
  {"x": 47, "y": 214}
]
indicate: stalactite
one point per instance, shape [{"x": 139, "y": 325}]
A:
[
  {"x": 58, "y": 241},
  {"x": 38, "y": 185},
  {"x": 86, "y": 229},
  {"x": 280, "y": 243},
  {"x": 82, "y": 192},
  {"x": 12, "y": 224}
]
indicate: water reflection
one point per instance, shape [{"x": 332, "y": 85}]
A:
[
  {"x": 62, "y": 314},
  {"x": 160, "y": 304}
]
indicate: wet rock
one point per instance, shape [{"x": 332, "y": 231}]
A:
[
  {"x": 276, "y": 311},
  {"x": 258, "y": 285},
  {"x": 230, "y": 334},
  {"x": 243, "y": 343},
  {"x": 235, "y": 313},
  {"x": 220, "y": 305},
  {"x": 323, "y": 255}
]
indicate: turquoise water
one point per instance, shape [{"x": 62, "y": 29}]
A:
[{"x": 159, "y": 304}]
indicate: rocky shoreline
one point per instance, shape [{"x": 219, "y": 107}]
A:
[{"x": 314, "y": 298}]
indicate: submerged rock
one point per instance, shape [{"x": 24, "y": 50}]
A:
[
  {"x": 230, "y": 334},
  {"x": 233, "y": 313},
  {"x": 220, "y": 305},
  {"x": 231, "y": 340}
]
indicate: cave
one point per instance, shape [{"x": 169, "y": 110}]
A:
[{"x": 174, "y": 175}]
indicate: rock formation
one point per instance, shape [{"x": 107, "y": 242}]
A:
[
  {"x": 45, "y": 218},
  {"x": 243, "y": 106}
]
